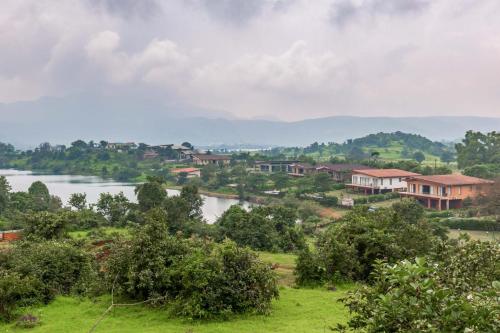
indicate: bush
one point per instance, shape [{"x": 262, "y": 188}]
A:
[
  {"x": 471, "y": 224},
  {"x": 456, "y": 291},
  {"x": 44, "y": 226},
  {"x": 225, "y": 281},
  {"x": 16, "y": 291},
  {"x": 350, "y": 247},
  {"x": 60, "y": 267},
  {"x": 203, "y": 279}
]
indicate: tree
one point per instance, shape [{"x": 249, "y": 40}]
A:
[
  {"x": 356, "y": 154},
  {"x": 4, "y": 194},
  {"x": 280, "y": 180},
  {"x": 150, "y": 194},
  {"x": 78, "y": 201},
  {"x": 188, "y": 145},
  {"x": 40, "y": 194},
  {"x": 44, "y": 225},
  {"x": 113, "y": 207},
  {"x": 194, "y": 201},
  {"x": 322, "y": 182},
  {"x": 182, "y": 178},
  {"x": 478, "y": 148},
  {"x": 419, "y": 156},
  {"x": 447, "y": 157}
]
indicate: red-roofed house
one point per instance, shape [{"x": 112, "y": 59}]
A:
[
  {"x": 445, "y": 191},
  {"x": 376, "y": 181},
  {"x": 191, "y": 172}
]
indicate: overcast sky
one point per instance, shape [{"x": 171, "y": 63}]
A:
[{"x": 274, "y": 59}]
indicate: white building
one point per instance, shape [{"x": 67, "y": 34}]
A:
[{"x": 375, "y": 181}]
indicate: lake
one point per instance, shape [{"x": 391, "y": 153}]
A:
[{"x": 65, "y": 185}]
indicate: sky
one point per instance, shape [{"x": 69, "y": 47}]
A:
[{"x": 259, "y": 59}]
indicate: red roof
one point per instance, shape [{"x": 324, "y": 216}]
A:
[
  {"x": 455, "y": 179},
  {"x": 188, "y": 170},
  {"x": 385, "y": 173}
]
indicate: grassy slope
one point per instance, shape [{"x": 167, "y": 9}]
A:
[{"x": 297, "y": 311}]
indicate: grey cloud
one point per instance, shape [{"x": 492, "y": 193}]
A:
[
  {"x": 344, "y": 11},
  {"x": 233, "y": 11},
  {"x": 128, "y": 8}
]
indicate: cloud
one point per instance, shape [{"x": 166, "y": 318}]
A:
[
  {"x": 143, "y": 9},
  {"x": 344, "y": 11}
]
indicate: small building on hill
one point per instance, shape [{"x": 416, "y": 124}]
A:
[
  {"x": 191, "y": 172},
  {"x": 273, "y": 166},
  {"x": 340, "y": 172},
  {"x": 377, "y": 181},
  {"x": 208, "y": 159},
  {"x": 119, "y": 146},
  {"x": 445, "y": 191},
  {"x": 150, "y": 154}
]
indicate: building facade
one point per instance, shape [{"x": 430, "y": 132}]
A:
[
  {"x": 211, "y": 159},
  {"x": 377, "y": 181},
  {"x": 445, "y": 191}
]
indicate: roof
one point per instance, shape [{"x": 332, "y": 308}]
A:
[
  {"x": 385, "y": 173},
  {"x": 342, "y": 166},
  {"x": 455, "y": 179},
  {"x": 212, "y": 157},
  {"x": 276, "y": 162},
  {"x": 303, "y": 165},
  {"x": 188, "y": 170}
]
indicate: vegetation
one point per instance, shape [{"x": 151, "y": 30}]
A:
[{"x": 479, "y": 154}]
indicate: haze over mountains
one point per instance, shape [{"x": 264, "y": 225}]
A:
[{"x": 63, "y": 120}]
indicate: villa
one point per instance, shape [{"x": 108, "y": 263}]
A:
[
  {"x": 377, "y": 181},
  {"x": 445, "y": 191}
]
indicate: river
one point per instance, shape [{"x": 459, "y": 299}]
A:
[{"x": 65, "y": 185}]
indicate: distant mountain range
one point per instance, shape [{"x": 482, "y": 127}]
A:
[{"x": 64, "y": 120}]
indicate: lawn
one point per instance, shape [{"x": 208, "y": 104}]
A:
[
  {"x": 297, "y": 311},
  {"x": 476, "y": 234}
]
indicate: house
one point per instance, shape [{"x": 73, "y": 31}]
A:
[
  {"x": 208, "y": 159},
  {"x": 10, "y": 235},
  {"x": 445, "y": 191},
  {"x": 273, "y": 166},
  {"x": 340, "y": 172},
  {"x": 300, "y": 169},
  {"x": 150, "y": 154},
  {"x": 120, "y": 146},
  {"x": 191, "y": 172},
  {"x": 376, "y": 181}
]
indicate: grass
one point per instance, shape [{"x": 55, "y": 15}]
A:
[
  {"x": 297, "y": 311},
  {"x": 476, "y": 234},
  {"x": 80, "y": 234}
]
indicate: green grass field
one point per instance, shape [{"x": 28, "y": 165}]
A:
[
  {"x": 296, "y": 311},
  {"x": 476, "y": 234}
]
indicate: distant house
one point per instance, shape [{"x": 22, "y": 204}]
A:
[
  {"x": 208, "y": 159},
  {"x": 376, "y": 181},
  {"x": 150, "y": 154},
  {"x": 340, "y": 172},
  {"x": 445, "y": 191},
  {"x": 273, "y": 166},
  {"x": 191, "y": 172},
  {"x": 121, "y": 145}
]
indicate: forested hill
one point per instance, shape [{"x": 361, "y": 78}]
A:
[
  {"x": 388, "y": 146},
  {"x": 408, "y": 141}
]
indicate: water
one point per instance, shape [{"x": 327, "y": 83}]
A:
[{"x": 65, "y": 185}]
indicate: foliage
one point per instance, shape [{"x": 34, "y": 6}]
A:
[
  {"x": 4, "y": 194},
  {"x": 44, "y": 225},
  {"x": 478, "y": 148},
  {"x": 455, "y": 291},
  {"x": 419, "y": 156},
  {"x": 78, "y": 201},
  {"x": 40, "y": 194},
  {"x": 114, "y": 208},
  {"x": 204, "y": 280},
  {"x": 471, "y": 224},
  {"x": 262, "y": 228},
  {"x": 16, "y": 291},
  {"x": 350, "y": 247},
  {"x": 150, "y": 194}
]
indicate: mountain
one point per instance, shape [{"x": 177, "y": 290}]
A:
[{"x": 88, "y": 117}]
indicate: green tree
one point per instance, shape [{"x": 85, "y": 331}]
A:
[
  {"x": 40, "y": 194},
  {"x": 4, "y": 194},
  {"x": 419, "y": 156},
  {"x": 150, "y": 194},
  {"x": 322, "y": 182},
  {"x": 78, "y": 201},
  {"x": 44, "y": 225}
]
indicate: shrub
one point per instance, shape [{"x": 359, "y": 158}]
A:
[
  {"x": 225, "y": 281},
  {"x": 61, "y": 267},
  {"x": 471, "y": 224},
  {"x": 15, "y": 291},
  {"x": 44, "y": 226},
  {"x": 456, "y": 291}
]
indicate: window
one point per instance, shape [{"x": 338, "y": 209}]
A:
[
  {"x": 390, "y": 181},
  {"x": 381, "y": 181}
]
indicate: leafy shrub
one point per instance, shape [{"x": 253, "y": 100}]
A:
[
  {"x": 454, "y": 292},
  {"x": 44, "y": 226},
  {"x": 472, "y": 224},
  {"x": 16, "y": 291},
  {"x": 60, "y": 267},
  {"x": 225, "y": 281},
  {"x": 350, "y": 247},
  {"x": 203, "y": 279}
]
